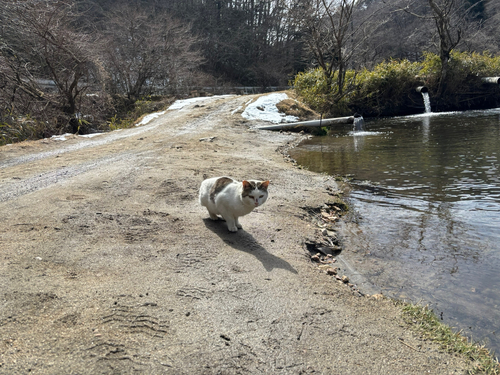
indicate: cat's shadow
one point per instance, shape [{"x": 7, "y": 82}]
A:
[{"x": 244, "y": 241}]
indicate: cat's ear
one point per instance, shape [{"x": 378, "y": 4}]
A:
[
  {"x": 246, "y": 184},
  {"x": 264, "y": 184}
]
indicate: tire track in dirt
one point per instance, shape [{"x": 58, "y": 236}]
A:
[
  {"x": 47, "y": 179},
  {"x": 21, "y": 187},
  {"x": 82, "y": 143}
]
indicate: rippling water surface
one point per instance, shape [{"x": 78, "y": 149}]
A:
[{"x": 426, "y": 197}]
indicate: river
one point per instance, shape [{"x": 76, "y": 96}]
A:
[{"x": 425, "y": 211}]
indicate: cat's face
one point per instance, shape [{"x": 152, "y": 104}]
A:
[{"x": 254, "y": 193}]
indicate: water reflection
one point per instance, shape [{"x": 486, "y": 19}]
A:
[
  {"x": 425, "y": 128},
  {"x": 358, "y": 142},
  {"x": 426, "y": 193}
]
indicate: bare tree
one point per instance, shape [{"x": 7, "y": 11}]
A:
[
  {"x": 391, "y": 33},
  {"x": 450, "y": 33},
  {"x": 147, "y": 51},
  {"x": 334, "y": 31},
  {"x": 452, "y": 19},
  {"x": 40, "y": 49},
  {"x": 482, "y": 35},
  {"x": 328, "y": 28}
]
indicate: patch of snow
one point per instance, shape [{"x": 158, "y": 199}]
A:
[
  {"x": 62, "y": 137},
  {"x": 264, "y": 108},
  {"x": 237, "y": 109},
  {"x": 149, "y": 118},
  {"x": 179, "y": 104},
  {"x": 92, "y": 135}
]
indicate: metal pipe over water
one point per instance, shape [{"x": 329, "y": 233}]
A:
[
  {"x": 422, "y": 89},
  {"x": 493, "y": 80}
]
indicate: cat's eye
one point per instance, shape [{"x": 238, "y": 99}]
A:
[{"x": 261, "y": 196}]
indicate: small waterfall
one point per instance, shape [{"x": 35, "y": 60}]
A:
[
  {"x": 425, "y": 95},
  {"x": 359, "y": 123},
  {"x": 427, "y": 102}
]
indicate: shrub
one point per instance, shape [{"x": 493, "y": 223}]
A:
[
  {"x": 313, "y": 88},
  {"x": 129, "y": 112},
  {"x": 389, "y": 89},
  {"x": 20, "y": 129}
]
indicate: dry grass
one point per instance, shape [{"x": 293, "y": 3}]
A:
[
  {"x": 424, "y": 321},
  {"x": 294, "y": 107}
]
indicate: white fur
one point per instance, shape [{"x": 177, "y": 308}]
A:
[{"x": 229, "y": 202}]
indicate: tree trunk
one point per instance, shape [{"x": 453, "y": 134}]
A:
[{"x": 442, "y": 17}]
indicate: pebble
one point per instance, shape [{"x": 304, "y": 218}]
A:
[
  {"x": 332, "y": 271},
  {"x": 324, "y": 267},
  {"x": 331, "y": 234}
]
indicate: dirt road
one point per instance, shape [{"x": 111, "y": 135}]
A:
[{"x": 110, "y": 266}]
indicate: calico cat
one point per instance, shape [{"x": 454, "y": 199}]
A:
[{"x": 232, "y": 199}]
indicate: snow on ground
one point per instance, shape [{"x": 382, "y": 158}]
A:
[
  {"x": 150, "y": 117},
  {"x": 264, "y": 108},
  {"x": 91, "y": 135},
  {"x": 64, "y": 137},
  {"x": 179, "y": 104},
  {"x": 61, "y": 137}
]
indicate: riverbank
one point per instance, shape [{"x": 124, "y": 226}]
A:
[
  {"x": 109, "y": 264},
  {"x": 399, "y": 235}
]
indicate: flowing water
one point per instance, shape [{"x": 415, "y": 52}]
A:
[
  {"x": 427, "y": 102},
  {"x": 425, "y": 193}
]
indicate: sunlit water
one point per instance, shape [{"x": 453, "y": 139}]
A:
[
  {"x": 426, "y": 202},
  {"x": 427, "y": 102}
]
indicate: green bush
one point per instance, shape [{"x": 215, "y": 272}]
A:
[
  {"x": 390, "y": 88},
  {"x": 312, "y": 87},
  {"x": 128, "y": 113},
  {"x": 475, "y": 64},
  {"x": 375, "y": 92},
  {"x": 386, "y": 89}
]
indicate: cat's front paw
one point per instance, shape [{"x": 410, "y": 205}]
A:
[{"x": 232, "y": 228}]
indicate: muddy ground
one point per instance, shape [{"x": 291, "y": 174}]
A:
[{"x": 110, "y": 266}]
